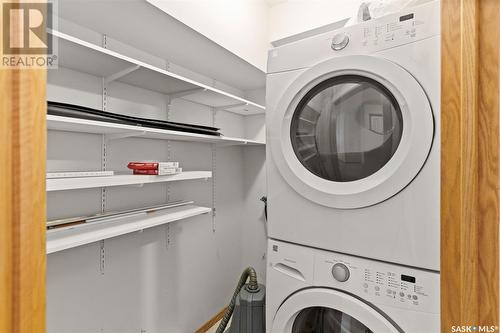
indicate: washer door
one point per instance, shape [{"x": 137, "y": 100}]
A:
[
  {"x": 322, "y": 310},
  {"x": 352, "y": 131}
]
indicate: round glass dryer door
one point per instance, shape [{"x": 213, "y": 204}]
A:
[
  {"x": 346, "y": 128},
  {"x": 323, "y": 310},
  {"x": 351, "y": 132},
  {"x": 320, "y": 319}
]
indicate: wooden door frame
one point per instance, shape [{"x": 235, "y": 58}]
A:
[
  {"x": 469, "y": 162},
  {"x": 22, "y": 199}
]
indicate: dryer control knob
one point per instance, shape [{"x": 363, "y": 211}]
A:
[
  {"x": 340, "y": 272},
  {"x": 339, "y": 41}
]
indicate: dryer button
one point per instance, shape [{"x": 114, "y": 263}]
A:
[
  {"x": 339, "y": 41},
  {"x": 340, "y": 272}
]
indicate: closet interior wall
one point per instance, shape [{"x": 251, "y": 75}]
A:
[{"x": 169, "y": 278}]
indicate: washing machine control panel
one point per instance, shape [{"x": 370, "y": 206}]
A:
[
  {"x": 378, "y": 282},
  {"x": 340, "y": 272}
]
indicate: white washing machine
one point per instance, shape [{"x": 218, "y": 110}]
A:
[
  {"x": 353, "y": 139},
  {"x": 311, "y": 290}
]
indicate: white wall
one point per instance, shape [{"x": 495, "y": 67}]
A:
[
  {"x": 254, "y": 225},
  {"x": 240, "y": 26},
  {"x": 290, "y": 17},
  {"x": 246, "y": 27}
]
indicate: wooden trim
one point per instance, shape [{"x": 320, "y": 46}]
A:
[
  {"x": 469, "y": 163},
  {"x": 212, "y": 322},
  {"x": 488, "y": 157},
  {"x": 458, "y": 173},
  {"x": 22, "y": 200},
  {"x": 5, "y": 206}
]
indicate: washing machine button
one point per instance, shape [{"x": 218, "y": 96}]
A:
[
  {"x": 340, "y": 272},
  {"x": 339, "y": 41}
]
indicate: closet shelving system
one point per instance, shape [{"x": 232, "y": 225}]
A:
[
  {"x": 61, "y": 184},
  {"x": 62, "y": 239},
  {"x": 82, "y": 56},
  {"x": 116, "y": 131},
  {"x": 89, "y": 58}
]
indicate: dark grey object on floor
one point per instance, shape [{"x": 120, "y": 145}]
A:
[{"x": 249, "y": 312}]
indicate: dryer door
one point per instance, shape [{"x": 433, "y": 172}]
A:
[
  {"x": 352, "y": 131},
  {"x": 322, "y": 310}
]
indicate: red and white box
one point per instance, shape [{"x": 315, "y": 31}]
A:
[
  {"x": 152, "y": 165},
  {"x": 159, "y": 172},
  {"x": 154, "y": 168}
]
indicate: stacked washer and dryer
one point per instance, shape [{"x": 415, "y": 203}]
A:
[{"x": 353, "y": 178}]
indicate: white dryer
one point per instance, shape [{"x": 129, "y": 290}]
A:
[
  {"x": 353, "y": 139},
  {"x": 311, "y": 290}
]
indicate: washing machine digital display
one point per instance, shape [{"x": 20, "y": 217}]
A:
[
  {"x": 408, "y": 278},
  {"x": 346, "y": 128}
]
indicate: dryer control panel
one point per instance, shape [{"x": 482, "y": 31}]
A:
[
  {"x": 412, "y": 26},
  {"x": 378, "y": 282},
  {"x": 388, "y": 31}
]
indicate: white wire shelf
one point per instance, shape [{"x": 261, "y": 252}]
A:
[
  {"x": 70, "y": 237},
  {"x": 61, "y": 184},
  {"x": 115, "y": 131},
  {"x": 89, "y": 58}
]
